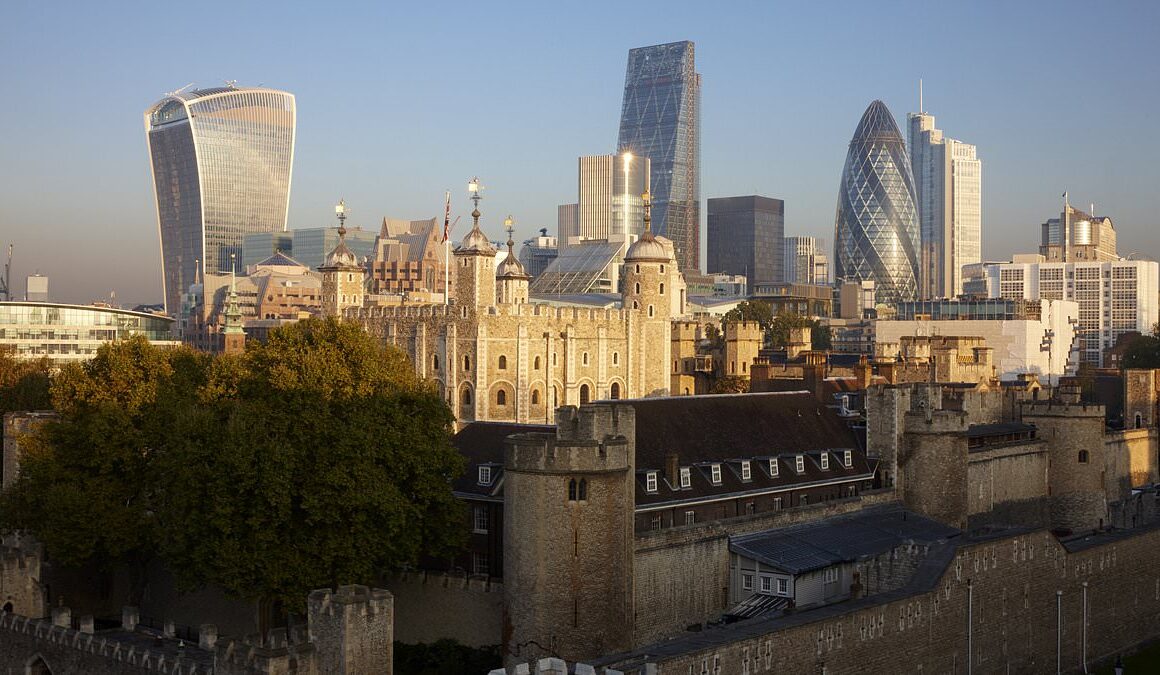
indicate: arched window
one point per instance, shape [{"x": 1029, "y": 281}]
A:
[
  {"x": 585, "y": 358},
  {"x": 535, "y": 397},
  {"x": 616, "y": 358},
  {"x": 466, "y": 398},
  {"x": 650, "y": 311},
  {"x": 435, "y": 362},
  {"x": 638, "y": 269},
  {"x": 614, "y": 391},
  {"x": 502, "y": 362},
  {"x": 662, "y": 289},
  {"x": 584, "y": 393},
  {"x": 1139, "y": 421},
  {"x": 572, "y": 490},
  {"x": 536, "y": 364},
  {"x": 638, "y": 288},
  {"x": 662, "y": 269},
  {"x": 8, "y": 608},
  {"x": 553, "y": 358},
  {"x": 466, "y": 362},
  {"x": 635, "y": 304},
  {"x": 1083, "y": 456},
  {"x": 555, "y": 396},
  {"x": 583, "y": 489},
  {"x": 501, "y": 397}
]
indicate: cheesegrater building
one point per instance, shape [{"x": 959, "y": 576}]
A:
[
  {"x": 876, "y": 234},
  {"x": 660, "y": 119},
  {"x": 221, "y": 161}
]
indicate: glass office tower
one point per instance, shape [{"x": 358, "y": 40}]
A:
[
  {"x": 661, "y": 119},
  {"x": 876, "y": 233},
  {"x": 747, "y": 236},
  {"x": 221, "y": 162}
]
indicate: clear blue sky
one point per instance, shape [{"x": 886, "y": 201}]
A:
[{"x": 398, "y": 101}]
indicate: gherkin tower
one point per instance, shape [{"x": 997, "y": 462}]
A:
[{"x": 876, "y": 233}]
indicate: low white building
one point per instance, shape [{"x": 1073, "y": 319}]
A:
[{"x": 1026, "y": 337}]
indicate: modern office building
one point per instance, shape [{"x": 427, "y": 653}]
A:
[
  {"x": 876, "y": 233},
  {"x": 1088, "y": 237},
  {"x": 948, "y": 195},
  {"x": 660, "y": 119},
  {"x": 805, "y": 261},
  {"x": 308, "y": 245},
  {"x": 539, "y": 252},
  {"x": 36, "y": 288},
  {"x": 1114, "y": 297},
  {"x": 65, "y": 333},
  {"x": 610, "y": 204},
  {"x": 746, "y": 236},
  {"x": 221, "y": 161}
]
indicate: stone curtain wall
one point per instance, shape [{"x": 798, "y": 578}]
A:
[
  {"x": 438, "y": 605},
  {"x": 1010, "y": 583}
]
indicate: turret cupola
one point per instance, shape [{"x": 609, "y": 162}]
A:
[
  {"x": 343, "y": 278},
  {"x": 511, "y": 277},
  {"x": 648, "y": 266},
  {"x": 475, "y": 260}
]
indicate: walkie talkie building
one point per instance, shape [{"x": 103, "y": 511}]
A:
[
  {"x": 660, "y": 119},
  {"x": 876, "y": 232},
  {"x": 221, "y": 162}
]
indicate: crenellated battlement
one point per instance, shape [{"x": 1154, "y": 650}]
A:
[
  {"x": 554, "y": 666},
  {"x": 1061, "y": 409},
  {"x": 369, "y": 601}
]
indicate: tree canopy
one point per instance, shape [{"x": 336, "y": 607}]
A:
[
  {"x": 23, "y": 384},
  {"x": 1142, "y": 351},
  {"x": 318, "y": 458},
  {"x": 777, "y": 327}
]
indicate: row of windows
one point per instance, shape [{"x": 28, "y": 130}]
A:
[
  {"x": 767, "y": 583},
  {"x": 652, "y": 478},
  {"x": 502, "y": 364},
  {"x": 501, "y": 395}
]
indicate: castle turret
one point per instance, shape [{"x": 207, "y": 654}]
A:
[
  {"x": 511, "y": 278},
  {"x": 650, "y": 271},
  {"x": 343, "y": 278},
  {"x": 475, "y": 262},
  {"x": 568, "y": 536}
]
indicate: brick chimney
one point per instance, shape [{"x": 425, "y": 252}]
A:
[{"x": 672, "y": 468}]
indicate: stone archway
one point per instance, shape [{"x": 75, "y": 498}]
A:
[{"x": 36, "y": 666}]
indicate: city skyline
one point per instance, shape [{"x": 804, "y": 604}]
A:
[{"x": 391, "y": 124}]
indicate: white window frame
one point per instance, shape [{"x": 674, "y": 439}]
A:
[
  {"x": 825, "y": 461},
  {"x": 485, "y": 475},
  {"x": 777, "y": 503},
  {"x": 747, "y": 581},
  {"x": 479, "y": 519},
  {"x": 746, "y": 472},
  {"x": 476, "y": 557},
  {"x": 650, "y": 481},
  {"x": 686, "y": 477},
  {"x": 799, "y": 463},
  {"x": 690, "y": 517},
  {"x": 847, "y": 459},
  {"x": 782, "y": 586},
  {"x": 830, "y": 575},
  {"x": 715, "y": 472},
  {"x": 773, "y": 467},
  {"x": 766, "y": 584}
]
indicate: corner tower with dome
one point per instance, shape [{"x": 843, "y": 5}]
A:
[
  {"x": 496, "y": 354},
  {"x": 343, "y": 278}
]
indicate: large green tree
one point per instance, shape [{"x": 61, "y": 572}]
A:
[
  {"x": 24, "y": 384},
  {"x": 777, "y": 327},
  {"x": 317, "y": 459},
  {"x": 1142, "y": 351}
]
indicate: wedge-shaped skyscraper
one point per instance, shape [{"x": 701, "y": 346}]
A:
[
  {"x": 876, "y": 227},
  {"x": 221, "y": 163}
]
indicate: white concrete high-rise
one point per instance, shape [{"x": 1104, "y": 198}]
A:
[
  {"x": 806, "y": 261},
  {"x": 948, "y": 194},
  {"x": 609, "y": 204}
]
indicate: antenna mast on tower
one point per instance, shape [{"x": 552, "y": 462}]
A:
[{"x": 6, "y": 280}]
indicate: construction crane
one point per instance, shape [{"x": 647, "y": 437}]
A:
[{"x": 6, "y": 280}]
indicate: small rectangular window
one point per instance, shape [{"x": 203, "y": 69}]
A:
[
  {"x": 650, "y": 481},
  {"x": 848, "y": 459},
  {"x": 656, "y": 522},
  {"x": 479, "y": 519},
  {"x": 479, "y": 563},
  {"x": 485, "y": 475},
  {"x": 825, "y": 460},
  {"x": 746, "y": 472},
  {"x": 773, "y": 468},
  {"x": 766, "y": 584},
  {"x": 690, "y": 517},
  {"x": 800, "y": 464},
  {"x": 716, "y": 471},
  {"x": 777, "y": 503},
  {"x": 803, "y": 500},
  {"x": 830, "y": 576},
  {"x": 686, "y": 477},
  {"x": 747, "y": 582},
  {"x": 783, "y": 587}
]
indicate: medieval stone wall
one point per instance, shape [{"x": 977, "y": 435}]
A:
[{"x": 438, "y": 605}]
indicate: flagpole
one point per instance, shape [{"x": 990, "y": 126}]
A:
[{"x": 447, "y": 250}]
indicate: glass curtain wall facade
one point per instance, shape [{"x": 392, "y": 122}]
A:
[
  {"x": 661, "y": 119},
  {"x": 65, "y": 333},
  {"x": 876, "y": 234},
  {"x": 221, "y": 161},
  {"x": 746, "y": 236}
]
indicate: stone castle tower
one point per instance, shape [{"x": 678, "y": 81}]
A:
[
  {"x": 650, "y": 280},
  {"x": 475, "y": 268},
  {"x": 568, "y": 536},
  {"x": 743, "y": 340},
  {"x": 343, "y": 278},
  {"x": 511, "y": 276}
]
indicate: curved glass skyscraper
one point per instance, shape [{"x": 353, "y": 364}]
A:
[
  {"x": 221, "y": 163},
  {"x": 876, "y": 227}
]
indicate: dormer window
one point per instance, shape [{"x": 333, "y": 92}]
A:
[
  {"x": 650, "y": 481},
  {"x": 825, "y": 461},
  {"x": 773, "y": 468},
  {"x": 800, "y": 463},
  {"x": 847, "y": 459},
  {"x": 715, "y": 471},
  {"x": 746, "y": 472},
  {"x": 686, "y": 477},
  {"x": 485, "y": 475}
]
